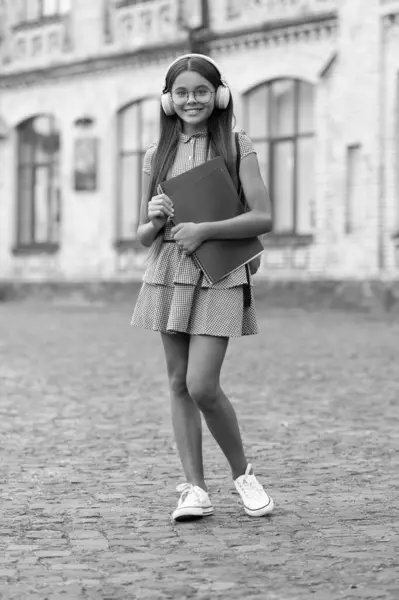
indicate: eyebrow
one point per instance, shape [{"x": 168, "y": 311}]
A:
[{"x": 202, "y": 85}]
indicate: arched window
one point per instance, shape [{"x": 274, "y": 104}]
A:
[
  {"x": 38, "y": 182},
  {"x": 279, "y": 118},
  {"x": 138, "y": 128}
]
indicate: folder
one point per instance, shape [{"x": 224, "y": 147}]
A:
[{"x": 207, "y": 194}]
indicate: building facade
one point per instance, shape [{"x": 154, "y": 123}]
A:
[{"x": 315, "y": 85}]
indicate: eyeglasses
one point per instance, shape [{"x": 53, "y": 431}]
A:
[{"x": 202, "y": 95}]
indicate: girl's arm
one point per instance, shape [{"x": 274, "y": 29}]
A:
[
  {"x": 146, "y": 231},
  {"x": 258, "y": 220}
]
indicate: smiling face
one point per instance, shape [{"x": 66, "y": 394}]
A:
[{"x": 194, "y": 113}]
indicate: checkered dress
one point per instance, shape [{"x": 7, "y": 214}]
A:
[{"x": 175, "y": 295}]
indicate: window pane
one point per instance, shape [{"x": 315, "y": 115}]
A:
[
  {"x": 26, "y": 144},
  {"x": 262, "y": 150},
  {"x": 55, "y": 206},
  {"x": 65, "y": 6},
  {"x": 282, "y": 108},
  {"x": 257, "y": 113},
  {"x": 130, "y": 195},
  {"x": 129, "y": 128},
  {"x": 42, "y": 183},
  {"x": 282, "y": 193},
  {"x": 305, "y": 186},
  {"x": 33, "y": 10},
  {"x": 150, "y": 121},
  {"x": 49, "y": 7},
  {"x": 25, "y": 205},
  {"x": 306, "y": 108}
]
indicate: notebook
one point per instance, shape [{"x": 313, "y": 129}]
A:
[{"x": 206, "y": 194}]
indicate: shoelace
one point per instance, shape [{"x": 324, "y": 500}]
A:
[
  {"x": 185, "y": 489},
  {"x": 251, "y": 486}
]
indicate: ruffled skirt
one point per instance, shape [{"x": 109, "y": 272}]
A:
[{"x": 176, "y": 297}]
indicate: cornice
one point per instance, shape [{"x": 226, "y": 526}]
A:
[
  {"x": 142, "y": 57},
  {"x": 282, "y": 32}
]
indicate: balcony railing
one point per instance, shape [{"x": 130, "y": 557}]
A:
[
  {"x": 146, "y": 23},
  {"x": 234, "y": 14}
]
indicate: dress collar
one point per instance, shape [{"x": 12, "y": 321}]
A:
[{"x": 200, "y": 134}]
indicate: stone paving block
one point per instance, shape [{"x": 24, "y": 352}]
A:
[
  {"x": 92, "y": 466},
  {"x": 52, "y": 553}
]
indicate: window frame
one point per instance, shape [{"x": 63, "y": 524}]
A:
[
  {"x": 25, "y": 20},
  {"x": 53, "y": 194},
  {"x": 271, "y": 141},
  {"x": 122, "y": 242}
]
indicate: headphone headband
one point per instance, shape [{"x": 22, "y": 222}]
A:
[{"x": 193, "y": 55}]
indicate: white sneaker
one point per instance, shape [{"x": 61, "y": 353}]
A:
[
  {"x": 194, "y": 503},
  {"x": 256, "y": 502}
]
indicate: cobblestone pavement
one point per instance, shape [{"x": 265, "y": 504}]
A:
[{"x": 89, "y": 468}]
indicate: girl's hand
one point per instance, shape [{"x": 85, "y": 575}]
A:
[
  {"x": 188, "y": 236},
  {"x": 160, "y": 207}
]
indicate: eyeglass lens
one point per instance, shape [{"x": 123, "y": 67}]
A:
[{"x": 201, "y": 95}]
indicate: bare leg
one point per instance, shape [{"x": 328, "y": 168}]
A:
[
  {"x": 206, "y": 357},
  {"x": 186, "y": 417}
]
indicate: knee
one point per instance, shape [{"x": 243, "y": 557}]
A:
[
  {"x": 204, "y": 393},
  {"x": 177, "y": 383}
]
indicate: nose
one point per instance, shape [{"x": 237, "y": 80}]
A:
[{"x": 191, "y": 97}]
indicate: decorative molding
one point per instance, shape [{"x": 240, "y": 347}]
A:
[
  {"x": 389, "y": 7},
  {"x": 307, "y": 29},
  {"x": 34, "y": 249},
  {"x": 390, "y": 21},
  {"x": 276, "y": 34},
  {"x": 143, "y": 58},
  {"x": 132, "y": 25},
  {"x": 26, "y": 25}
]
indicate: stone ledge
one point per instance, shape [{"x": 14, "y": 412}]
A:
[{"x": 363, "y": 296}]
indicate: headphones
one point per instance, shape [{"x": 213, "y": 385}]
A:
[{"x": 222, "y": 96}]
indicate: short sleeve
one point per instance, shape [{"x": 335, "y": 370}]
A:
[
  {"x": 246, "y": 145},
  {"x": 148, "y": 156}
]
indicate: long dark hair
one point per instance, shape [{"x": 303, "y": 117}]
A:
[{"x": 220, "y": 125}]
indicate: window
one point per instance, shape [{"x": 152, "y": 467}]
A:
[
  {"x": 138, "y": 126},
  {"x": 36, "y": 10},
  {"x": 279, "y": 120},
  {"x": 122, "y": 3},
  {"x": 38, "y": 182}
]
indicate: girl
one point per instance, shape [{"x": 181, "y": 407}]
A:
[{"x": 195, "y": 318}]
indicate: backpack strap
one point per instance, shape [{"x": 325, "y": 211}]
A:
[{"x": 247, "y": 285}]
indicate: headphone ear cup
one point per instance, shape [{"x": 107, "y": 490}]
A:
[
  {"x": 167, "y": 104},
  {"x": 222, "y": 97}
]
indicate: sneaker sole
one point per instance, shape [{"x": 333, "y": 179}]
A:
[
  {"x": 260, "y": 512},
  {"x": 191, "y": 513}
]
